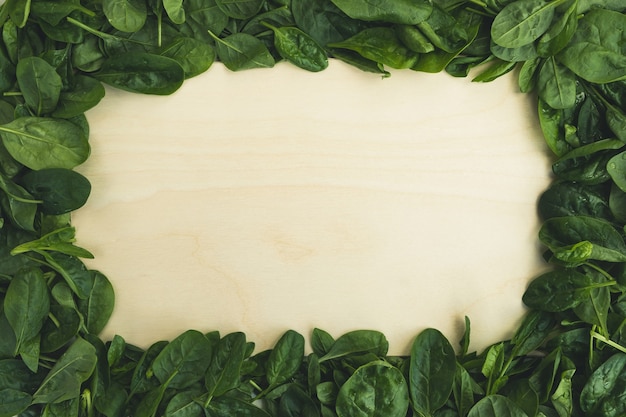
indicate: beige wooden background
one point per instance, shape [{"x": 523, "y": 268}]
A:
[{"x": 279, "y": 199}]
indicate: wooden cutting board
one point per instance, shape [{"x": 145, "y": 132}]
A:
[{"x": 279, "y": 199}]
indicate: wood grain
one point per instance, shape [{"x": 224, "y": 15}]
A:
[{"x": 276, "y": 199}]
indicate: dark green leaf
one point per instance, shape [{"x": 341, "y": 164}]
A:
[{"x": 410, "y": 12}]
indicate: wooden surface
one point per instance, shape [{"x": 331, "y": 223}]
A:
[{"x": 279, "y": 199}]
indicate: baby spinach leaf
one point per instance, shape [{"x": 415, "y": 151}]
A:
[
  {"x": 299, "y": 48},
  {"x": 387, "y": 392},
  {"x": 185, "y": 404},
  {"x": 242, "y": 51},
  {"x": 597, "y": 51},
  {"x": 175, "y": 11},
  {"x": 608, "y": 244},
  {"x": 432, "y": 371},
  {"x": 410, "y": 12},
  {"x": 183, "y": 361},
  {"x": 414, "y": 39},
  {"x": 194, "y": 56},
  {"x": 53, "y": 12},
  {"x": 558, "y": 290},
  {"x": 40, "y": 143},
  {"x": 522, "y": 22},
  {"x": 39, "y": 83},
  {"x": 61, "y": 327},
  {"x": 206, "y": 14},
  {"x": 19, "y": 205},
  {"x": 240, "y": 9},
  {"x": 224, "y": 372},
  {"x": 285, "y": 358},
  {"x": 97, "y": 308},
  {"x": 496, "y": 406},
  {"x": 380, "y": 44},
  {"x": 13, "y": 402},
  {"x": 560, "y": 32},
  {"x": 324, "y": 21},
  {"x": 125, "y": 15},
  {"x": 617, "y": 170},
  {"x": 606, "y": 385},
  {"x": 26, "y": 305},
  {"x": 594, "y": 308},
  {"x": 142, "y": 73},
  {"x": 59, "y": 240},
  {"x": 321, "y": 342},
  {"x": 60, "y": 190},
  {"x": 227, "y": 407},
  {"x": 84, "y": 94},
  {"x": 357, "y": 342},
  {"x": 73, "y": 271},
  {"x": 532, "y": 332},
  {"x": 443, "y": 30},
  {"x": 64, "y": 380},
  {"x": 556, "y": 85},
  {"x": 463, "y": 390},
  {"x": 573, "y": 199}
]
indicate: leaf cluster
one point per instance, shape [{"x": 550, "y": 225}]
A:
[{"x": 566, "y": 358}]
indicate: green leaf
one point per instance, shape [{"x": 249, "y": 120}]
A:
[
  {"x": 602, "y": 393},
  {"x": 410, "y": 12},
  {"x": 374, "y": 390},
  {"x": 125, "y": 15},
  {"x": 228, "y": 407},
  {"x": 357, "y": 342},
  {"x": 41, "y": 143},
  {"x": 60, "y": 190},
  {"x": 432, "y": 371},
  {"x": 522, "y": 22},
  {"x": 194, "y": 56},
  {"x": 224, "y": 372},
  {"x": 13, "y": 402},
  {"x": 285, "y": 358},
  {"x": 242, "y": 51},
  {"x": 617, "y": 170},
  {"x": 556, "y": 85},
  {"x": 597, "y": 51},
  {"x": 26, "y": 304},
  {"x": 299, "y": 48},
  {"x": 142, "y": 72},
  {"x": 558, "y": 290},
  {"x": 240, "y": 9},
  {"x": 183, "y": 361},
  {"x": 39, "y": 83},
  {"x": 98, "y": 306},
  {"x": 175, "y": 11},
  {"x": 496, "y": 406},
  {"x": 64, "y": 380},
  {"x": 84, "y": 94},
  {"x": 380, "y": 44}
]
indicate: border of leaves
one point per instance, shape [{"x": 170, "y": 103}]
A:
[{"x": 567, "y": 358}]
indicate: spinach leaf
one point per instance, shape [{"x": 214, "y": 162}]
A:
[
  {"x": 240, "y": 9},
  {"x": 387, "y": 392},
  {"x": 13, "y": 402},
  {"x": 64, "y": 380},
  {"x": 175, "y": 11},
  {"x": 324, "y": 21},
  {"x": 285, "y": 359},
  {"x": 606, "y": 385},
  {"x": 97, "y": 307},
  {"x": 39, "y": 83},
  {"x": 194, "y": 56},
  {"x": 83, "y": 94},
  {"x": 224, "y": 372},
  {"x": 142, "y": 73},
  {"x": 39, "y": 142},
  {"x": 125, "y": 15},
  {"x": 432, "y": 371},
  {"x": 617, "y": 170},
  {"x": 357, "y": 342},
  {"x": 559, "y": 290},
  {"x": 299, "y": 48},
  {"x": 597, "y": 51},
  {"x": 410, "y": 12},
  {"x": 556, "y": 85},
  {"x": 522, "y": 22},
  {"x": 496, "y": 406},
  {"x": 26, "y": 305},
  {"x": 60, "y": 190},
  {"x": 607, "y": 243},
  {"x": 242, "y": 51},
  {"x": 183, "y": 361},
  {"x": 380, "y": 44}
]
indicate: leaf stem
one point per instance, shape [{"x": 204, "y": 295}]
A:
[{"x": 608, "y": 341}]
